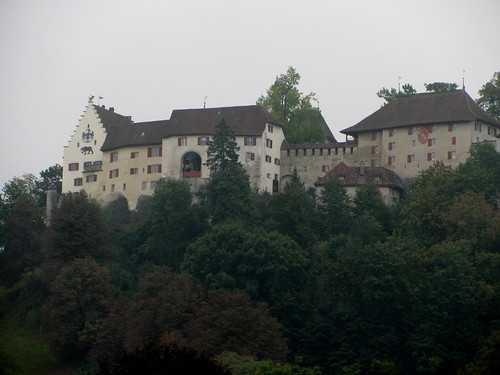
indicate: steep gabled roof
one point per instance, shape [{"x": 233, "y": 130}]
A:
[
  {"x": 135, "y": 134},
  {"x": 243, "y": 120},
  {"x": 354, "y": 176},
  {"x": 420, "y": 109}
]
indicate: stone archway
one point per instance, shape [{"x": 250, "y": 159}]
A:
[{"x": 191, "y": 164}]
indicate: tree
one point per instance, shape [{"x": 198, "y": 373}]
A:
[
  {"x": 267, "y": 265},
  {"x": 161, "y": 359},
  {"x": 19, "y": 186},
  {"x": 52, "y": 176},
  {"x": 229, "y": 196},
  {"x": 25, "y": 228},
  {"x": 173, "y": 223},
  {"x": 390, "y": 94},
  {"x": 164, "y": 303},
  {"x": 75, "y": 310},
  {"x": 292, "y": 212},
  {"x": 230, "y": 321},
  {"x": 489, "y": 99},
  {"x": 440, "y": 87},
  {"x": 222, "y": 150},
  {"x": 368, "y": 202},
  {"x": 302, "y": 123},
  {"x": 335, "y": 208},
  {"x": 77, "y": 231}
]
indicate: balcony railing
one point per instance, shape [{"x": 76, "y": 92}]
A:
[
  {"x": 191, "y": 174},
  {"x": 92, "y": 166}
]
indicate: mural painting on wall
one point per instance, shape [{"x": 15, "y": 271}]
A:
[
  {"x": 86, "y": 150},
  {"x": 423, "y": 133},
  {"x": 87, "y": 136}
]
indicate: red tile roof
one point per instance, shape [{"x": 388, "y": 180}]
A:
[{"x": 354, "y": 177}]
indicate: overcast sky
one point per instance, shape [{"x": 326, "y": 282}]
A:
[{"x": 149, "y": 57}]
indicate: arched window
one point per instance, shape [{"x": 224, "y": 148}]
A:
[{"x": 191, "y": 165}]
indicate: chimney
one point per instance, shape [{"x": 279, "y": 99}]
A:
[{"x": 111, "y": 109}]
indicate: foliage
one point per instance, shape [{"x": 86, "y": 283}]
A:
[
  {"x": 390, "y": 94},
  {"x": 50, "y": 177},
  {"x": 18, "y": 187},
  {"x": 302, "y": 123},
  {"x": 229, "y": 197},
  {"x": 77, "y": 231},
  {"x": 335, "y": 209},
  {"x": 163, "y": 359},
  {"x": 230, "y": 321},
  {"x": 21, "y": 349},
  {"x": 440, "y": 87},
  {"x": 368, "y": 203},
  {"x": 489, "y": 96},
  {"x": 25, "y": 228},
  {"x": 163, "y": 303},
  {"x": 117, "y": 212},
  {"x": 292, "y": 212},
  {"x": 172, "y": 224},
  {"x": 222, "y": 150},
  {"x": 80, "y": 298}
]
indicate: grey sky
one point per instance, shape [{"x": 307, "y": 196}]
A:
[{"x": 149, "y": 57}]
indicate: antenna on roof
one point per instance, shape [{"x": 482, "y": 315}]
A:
[
  {"x": 205, "y": 101},
  {"x": 463, "y": 80}
]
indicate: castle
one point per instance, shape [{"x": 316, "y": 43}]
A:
[{"x": 110, "y": 155}]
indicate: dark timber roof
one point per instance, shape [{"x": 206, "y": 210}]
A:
[
  {"x": 352, "y": 176},
  {"x": 420, "y": 109},
  {"x": 243, "y": 120},
  {"x": 123, "y": 132}
]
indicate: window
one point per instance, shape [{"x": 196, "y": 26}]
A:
[
  {"x": 375, "y": 149},
  {"x": 374, "y": 136},
  {"x": 392, "y": 145},
  {"x": 477, "y": 126},
  {"x": 112, "y": 187},
  {"x": 144, "y": 185},
  {"x": 433, "y": 128},
  {"x": 452, "y": 155},
  {"x": 249, "y": 156},
  {"x": 124, "y": 187},
  {"x": 78, "y": 181},
  {"x": 392, "y": 132},
  {"x": 452, "y": 127},
  {"x": 276, "y": 161},
  {"x": 431, "y": 142},
  {"x": 182, "y": 141},
  {"x": 453, "y": 140},
  {"x": 113, "y": 173},
  {"x": 413, "y": 143},
  {"x": 391, "y": 160},
  {"x": 325, "y": 168},
  {"x": 154, "y": 151},
  {"x": 411, "y": 158},
  {"x": 113, "y": 156},
  {"x": 134, "y": 155},
  {"x": 431, "y": 156},
  {"x": 154, "y": 184},
  {"x": 91, "y": 178},
  {"x": 410, "y": 131},
  {"x": 103, "y": 188},
  {"x": 134, "y": 170},
  {"x": 269, "y": 143},
  {"x": 269, "y": 128},
  {"x": 154, "y": 168},
  {"x": 268, "y": 158},
  {"x": 73, "y": 166},
  {"x": 250, "y": 141},
  {"x": 202, "y": 141}
]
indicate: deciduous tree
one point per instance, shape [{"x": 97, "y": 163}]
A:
[
  {"x": 390, "y": 94},
  {"x": 440, "y": 87},
  {"x": 489, "y": 99}
]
